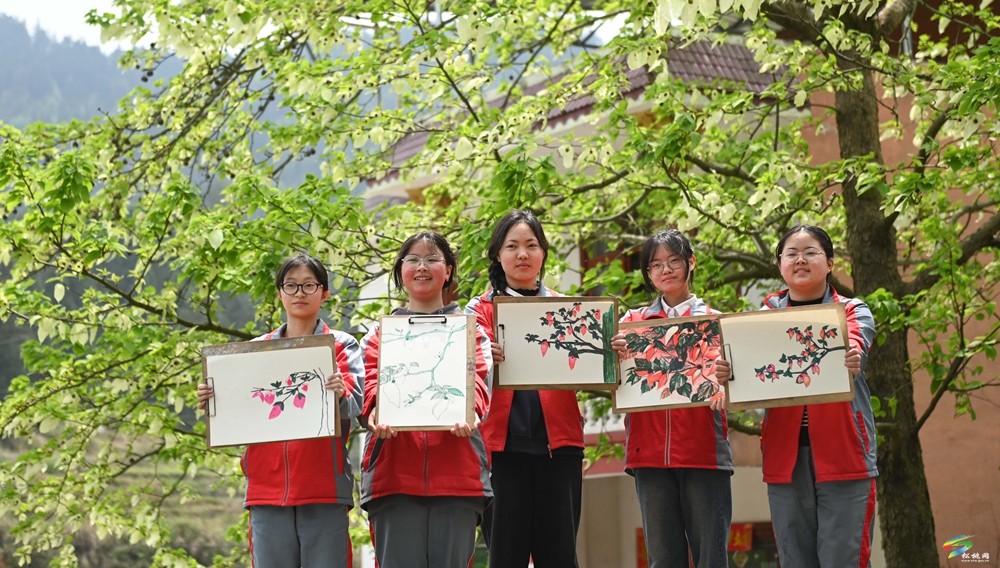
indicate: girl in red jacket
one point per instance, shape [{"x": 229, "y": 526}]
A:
[
  {"x": 680, "y": 458},
  {"x": 535, "y": 437},
  {"x": 819, "y": 459},
  {"x": 424, "y": 491},
  {"x": 299, "y": 492}
]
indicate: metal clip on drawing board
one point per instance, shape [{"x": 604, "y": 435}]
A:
[
  {"x": 428, "y": 319},
  {"x": 729, "y": 357},
  {"x": 210, "y": 381}
]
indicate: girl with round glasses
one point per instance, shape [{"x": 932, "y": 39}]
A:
[
  {"x": 424, "y": 490},
  {"x": 299, "y": 492},
  {"x": 819, "y": 459},
  {"x": 535, "y": 437},
  {"x": 680, "y": 458}
]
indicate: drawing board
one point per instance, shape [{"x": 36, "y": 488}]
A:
[
  {"x": 787, "y": 357},
  {"x": 426, "y": 371},
  {"x": 268, "y": 391},
  {"x": 556, "y": 342},
  {"x": 670, "y": 364}
]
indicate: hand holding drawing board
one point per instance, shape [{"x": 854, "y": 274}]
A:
[
  {"x": 269, "y": 391},
  {"x": 426, "y": 372},
  {"x": 787, "y": 357},
  {"x": 556, "y": 342},
  {"x": 670, "y": 364}
]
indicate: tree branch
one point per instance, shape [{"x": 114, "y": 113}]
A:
[
  {"x": 538, "y": 49},
  {"x": 986, "y": 236},
  {"x": 957, "y": 364},
  {"x": 795, "y": 16},
  {"x": 893, "y": 14},
  {"x": 723, "y": 170},
  {"x": 601, "y": 184},
  {"x": 614, "y": 216},
  {"x": 736, "y": 422},
  {"x": 925, "y": 144}
]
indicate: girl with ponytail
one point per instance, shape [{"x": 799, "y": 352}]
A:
[{"x": 534, "y": 437}]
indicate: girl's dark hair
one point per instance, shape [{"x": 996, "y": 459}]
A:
[
  {"x": 434, "y": 239},
  {"x": 676, "y": 242},
  {"x": 498, "y": 280},
  {"x": 315, "y": 266},
  {"x": 817, "y": 233}
]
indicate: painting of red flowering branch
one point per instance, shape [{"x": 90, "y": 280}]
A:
[
  {"x": 292, "y": 389},
  {"x": 669, "y": 363},
  {"x": 787, "y": 357},
  {"x": 802, "y": 365},
  {"x": 556, "y": 342},
  {"x": 268, "y": 391}
]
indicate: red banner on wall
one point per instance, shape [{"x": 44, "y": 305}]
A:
[
  {"x": 740, "y": 536},
  {"x": 640, "y": 549}
]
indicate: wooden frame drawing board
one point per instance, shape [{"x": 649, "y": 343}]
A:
[
  {"x": 670, "y": 364},
  {"x": 426, "y": 371},
  {"x": 556, "y": 342},
  {"x": 269, "y": 391},
  {"x": 787, "y": 357}
]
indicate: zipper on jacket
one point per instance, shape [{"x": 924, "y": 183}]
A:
[
  {"x": 666, "y": 446},
  {"x": 549, "y": 446},
  {"x": 284, "y": 456},
  {"x": 427, "y": 474}
]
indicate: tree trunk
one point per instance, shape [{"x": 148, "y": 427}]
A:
[
  {"x": 904, "y": 503},
  {"x": 904, "y": 506}
]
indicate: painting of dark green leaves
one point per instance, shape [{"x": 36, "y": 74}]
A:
[{"x": 670, "y": 363}]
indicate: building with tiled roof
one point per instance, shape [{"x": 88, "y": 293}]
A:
[
  {"x": 699, "y": 63},
  {"x": 611, "y": 527}
]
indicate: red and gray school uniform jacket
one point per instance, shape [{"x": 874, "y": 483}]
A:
[
  {"x": 681, "y": 437},
  {"x": 560, "y": 410},
  {"x": 317, "y": 470},
  {"x": 432, "y": 463},
  {"x": 841, "y": 434}
]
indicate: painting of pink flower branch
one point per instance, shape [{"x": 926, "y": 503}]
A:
[
  {"x": 802, "y": 366},
  {"x": 669, "y": 364},
  {"x": 787, "y": 357},
  {"x": 293, "y": 389},
  {"x": 556, "y": 342},
  {"x": 267, "y": 391}
]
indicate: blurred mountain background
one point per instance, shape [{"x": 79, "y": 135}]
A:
[
  {"x": 47, "y": 80},
  {"x": 42, "y": 79}
]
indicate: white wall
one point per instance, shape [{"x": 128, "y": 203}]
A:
[{"x": 611, "y": 517}]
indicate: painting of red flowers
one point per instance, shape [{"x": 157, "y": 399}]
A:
[
  {"x": 670, "y": 363},
  {"x": 787, "y": 357},
  {"x": 556, "y": 342},
  {"x": 269, "y": 391}
]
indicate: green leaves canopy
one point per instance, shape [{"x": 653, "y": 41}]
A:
[{"x": 129, "y": 239}]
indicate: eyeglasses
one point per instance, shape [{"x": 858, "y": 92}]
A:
[
  {"x": 309, "y": 288},
  {"x": 808, "y": 255},
  {"x": 413, "y": 261},
  {"x": 673, "y": 264}
]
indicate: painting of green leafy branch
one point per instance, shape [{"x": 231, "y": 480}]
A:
[
  {"x": 417, "y": 381},
  {"x": 804, "y": 364}
]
